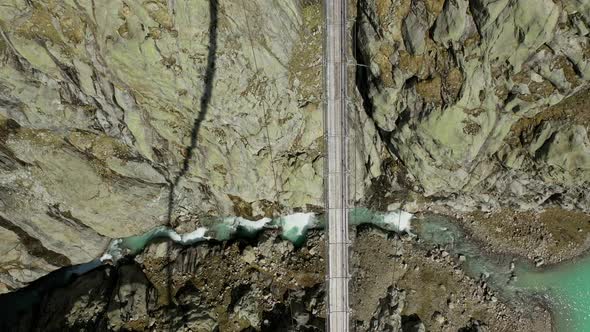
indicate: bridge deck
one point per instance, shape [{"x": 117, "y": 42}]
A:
[{"x": 336, "y": 181}]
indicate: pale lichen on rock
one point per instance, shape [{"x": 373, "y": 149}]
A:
[
  {"x": 101, "y": 100},
  {"x": 450, "y": 104}
]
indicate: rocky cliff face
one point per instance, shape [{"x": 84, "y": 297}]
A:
[
  {"x": 265, "y": 284},
  {"x": 119, "y": 116},
  {"x": 258, "y": 285},
  {"x": 482, "y": 103}
]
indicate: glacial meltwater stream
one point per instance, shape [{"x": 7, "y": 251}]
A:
[
  {"x": 293, "y": 228},
  {"x": 565, "y": 287}
]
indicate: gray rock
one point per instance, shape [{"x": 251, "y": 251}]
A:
[
  {"x": 415, "y": 28},
  {"x": 467, "y": 112}
]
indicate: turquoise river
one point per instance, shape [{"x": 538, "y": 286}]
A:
[{"x": 565, "y": 288}]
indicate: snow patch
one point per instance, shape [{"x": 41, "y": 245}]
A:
[
  {"x": 253, "y": 225},
  {"x": 400, "y": 221},
  {"x": 174, "y": 236},
  {"x": 106, "y": 257},
  {"x": 297, "y": 224},
  {"x": 195, "y": 236}
]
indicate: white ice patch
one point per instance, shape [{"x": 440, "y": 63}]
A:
[
  {"x": 252, "y": 226},
  {"x": 249, "y": 225},
  {"x": 299, "y": 221},
  {"x": 113, "y": 252},
  {"x": 399, "y": 220},
  {"x": 106, "y": 257},
  {"x": 174, "y": 236},
  {"x": 295, "y": 225},
  {"x": 195, "y": 236}
]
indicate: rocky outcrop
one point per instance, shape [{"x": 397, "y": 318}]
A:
[
  {"x": 261, "y": 285},
  {"x": 408, "y": 284},
  {"x": 264, "y": 284},
  {"x": 120, "y": 116},
  {"x": 388, "y": 315},
  {"x": 481, "y": 103}
]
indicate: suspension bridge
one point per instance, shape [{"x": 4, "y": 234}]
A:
[{"x": 336, "y": 180}]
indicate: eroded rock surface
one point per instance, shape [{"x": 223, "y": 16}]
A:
[
  {"x": 401, "y": 285},
  {"x": 265, "y": 284},
  {"x": 482, "y": 103},
  {"x": 120, "y": 116},
  {"x": 260, "y": 285}
]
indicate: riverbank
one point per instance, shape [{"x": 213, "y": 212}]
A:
[
  {"x": 563, "y": 288},
  {"x": 545, "y": 237},
  {"x": 400, "y": 281},
  {"x": 262, "y": 283},
  {"x": 437, "y": 276}
]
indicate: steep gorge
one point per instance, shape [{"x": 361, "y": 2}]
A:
[{"x": 121, "y": 116}]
